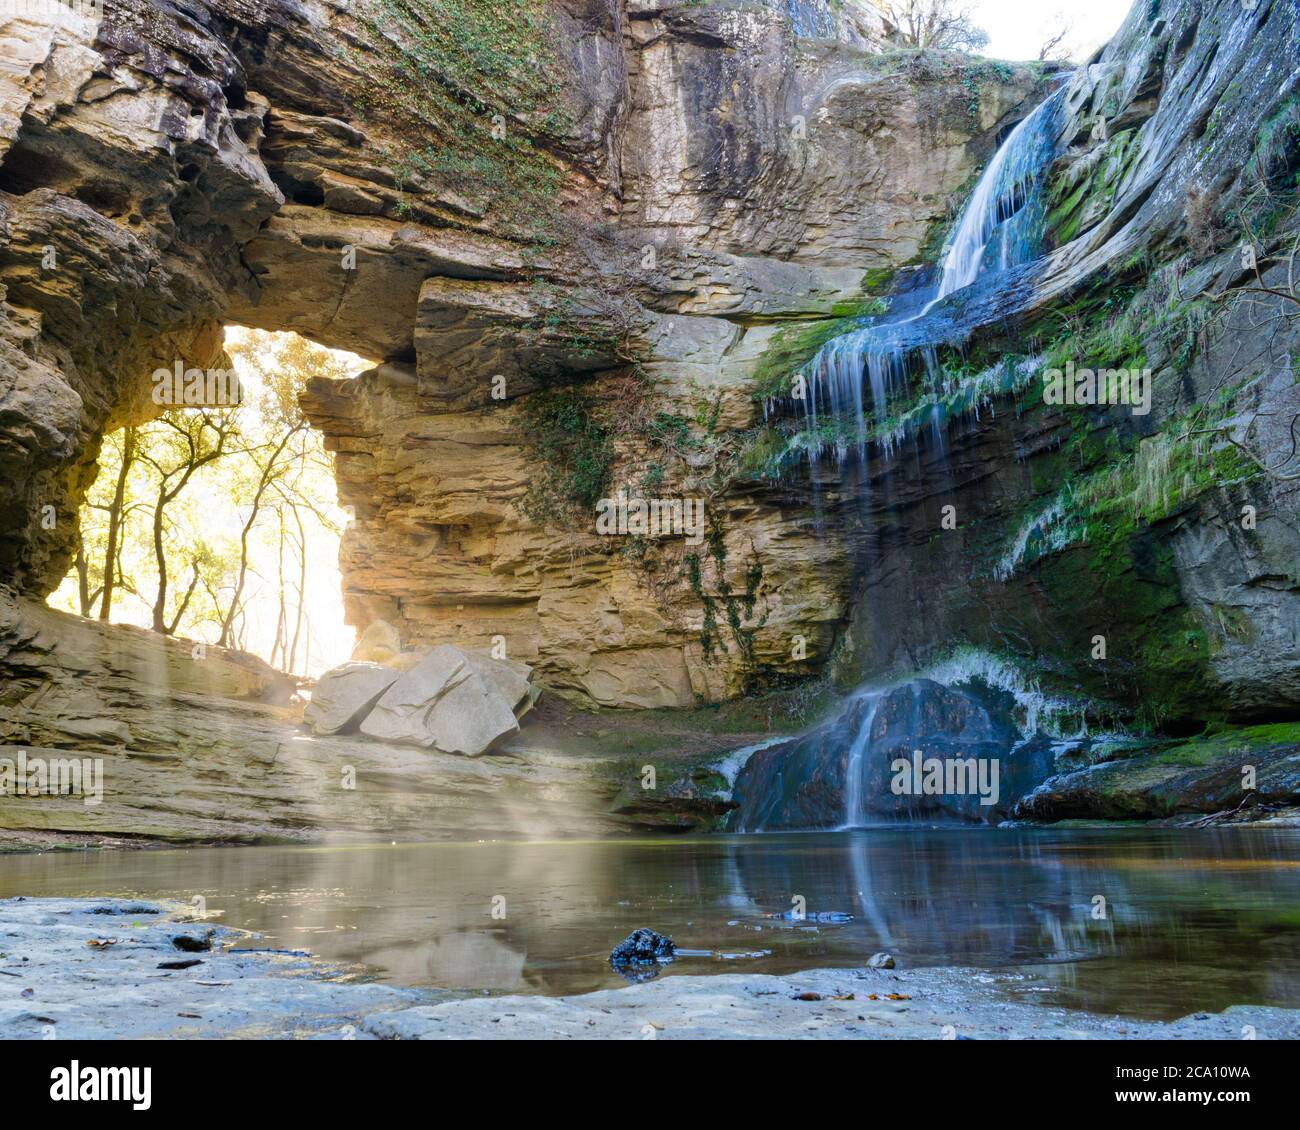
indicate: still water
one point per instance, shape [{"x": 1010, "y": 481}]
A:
[{"x": 1193, "y": 920}]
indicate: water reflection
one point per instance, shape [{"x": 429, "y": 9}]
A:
[{"x": 1190, "y": 920}]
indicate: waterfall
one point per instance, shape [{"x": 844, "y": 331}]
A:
[
  {"x": 855, "y": 813},
  {"x": 811, "y": 18},
  {"x": 847, "y": 391},
  {"x": 1000, "y": 226},
  {"x": 1007, "y": 202}
]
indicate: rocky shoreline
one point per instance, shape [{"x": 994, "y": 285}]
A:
[{"x": 113, "y": 969}]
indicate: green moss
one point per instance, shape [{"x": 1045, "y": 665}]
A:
[
  {"x": 572, "y": 456},
  {"x": 471, "y": 88},
  {"x": 1085, "y": 189},
  {"x": 1223, "y": 743},
  {"x": 878, "y": 280},
  {"x": 793, "y": 346}
]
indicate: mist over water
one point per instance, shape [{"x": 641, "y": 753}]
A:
[{"x": 1194, "y": 920}]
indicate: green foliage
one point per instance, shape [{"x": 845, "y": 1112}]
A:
[
  {"x": 668, "y": 429},
  {"x": 1277, "y": 145},
  {"x": 736, "y": 608},
  {"x": 572, "y": 452},
  {"x": 976, "y": 76},
  {"x": 1114, "y": 325},
  {"x": 472, "y": 86},
  {"x": 793, "y": 346},
  {"x": 652, "y": 480},
  {"x": 583, "y": 323}
]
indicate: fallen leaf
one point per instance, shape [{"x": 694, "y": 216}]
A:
[
  {"x": 897, "y": 997},
  {"x": 101, "y": 943},
  {"x": 809, "y": 996}
]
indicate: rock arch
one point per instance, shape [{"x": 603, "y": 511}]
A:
[{"x": 166, "y": 170}]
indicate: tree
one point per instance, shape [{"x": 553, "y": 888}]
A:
[
  {"x": 112, "y": 568},
  {"x": 212, "y": 523},
  {"x": 183, "y": 441},
  {"x": 1054, "y": 49},
  {"x": 272, "y": 464},
  {"x": 933, "y": 25}
]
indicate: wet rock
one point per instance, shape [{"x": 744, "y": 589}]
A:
[
  {"x": 1199, "y": 777},
  {"x": 643, "y": 947},
  {"x": 189, "y": 944},
  {"x": 345, "y": 694},
  {"x": 804, "y": 783},
  {"x": 880, "y": 961}
]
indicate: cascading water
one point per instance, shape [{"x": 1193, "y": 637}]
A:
[
  {"x": 850, "y": 382},
  {"x": 811, "y": 18},
  {"x": 855, "y": 814},
  {"x": 1000, "y": 227}
]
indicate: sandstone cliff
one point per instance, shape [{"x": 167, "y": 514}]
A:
[
  {"x": 704, "y": 176},
  {"x": 633, "y": 222}
]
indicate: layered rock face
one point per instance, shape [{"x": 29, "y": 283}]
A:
[
  {"x": 1141, "y": 559},
  {"x": 169, "y": 168},
  {"x": 182, "y": 744},
  {"x": 718, "y": 181}
]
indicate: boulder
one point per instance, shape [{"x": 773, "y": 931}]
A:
[
  {"x": 401, "y": 713},
  {"x": 345, "y": 694},
  {"x": 454, "y": 701},
  {"x": 470, "y": 718},
  {"x": 510, "y": 678},
  {"x": 814, "y": 780}
]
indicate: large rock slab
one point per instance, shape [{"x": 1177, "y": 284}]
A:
[
  {"x": 1239, "y": 770},
  {"x": 511, "y": 679},
  {"x": 470, "y": 718},
  {"x": 345, "y": 694},
  {"x": 453, "y": 700},
  {"x": 401, "y": 715}
]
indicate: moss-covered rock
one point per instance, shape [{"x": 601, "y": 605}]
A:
[{"x": 1226, "y": 769}]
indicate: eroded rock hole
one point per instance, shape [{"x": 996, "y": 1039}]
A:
[{"x": 217, "y": 520}]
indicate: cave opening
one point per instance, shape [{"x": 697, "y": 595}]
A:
[{"x": 216, "y": 517}]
